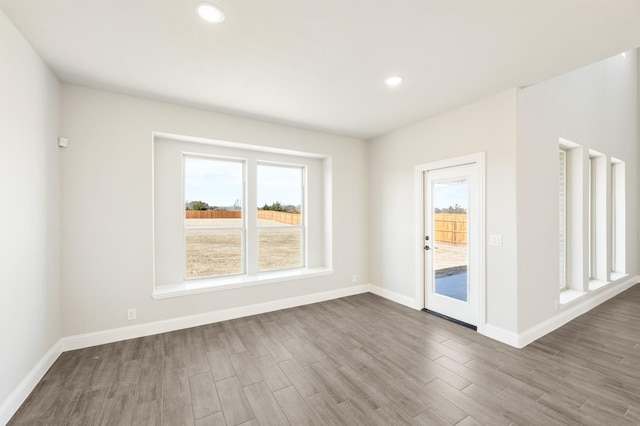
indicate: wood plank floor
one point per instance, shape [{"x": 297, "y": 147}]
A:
[{"x": 360, "y": 360}]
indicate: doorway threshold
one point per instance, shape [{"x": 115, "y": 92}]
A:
[{"x": 462, "y": 323}]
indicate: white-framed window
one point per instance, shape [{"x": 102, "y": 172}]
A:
[
  {"x": 562, "y": 213},
  {"x": 571, "y": 240},
  {"x": 618, "y": 218},
  {"x": 229, "y": 215},
  {"x": 598, "y": 206},
  {"x": 592, "y": 218}
]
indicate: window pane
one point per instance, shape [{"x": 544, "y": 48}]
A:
[
  {"x": 280, "y": 225},
  {"x": 594, "y": 217},
  {"x": 211, "y": 253},
  {"x": 213, "y": 190},
  {"x": 279, "y": 248},
  {"x": 279, "y": 190},
  {"x": 618, "y": 232},
  {"x": 562, "y": 203}
]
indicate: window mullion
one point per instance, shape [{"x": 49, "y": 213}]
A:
[
  {"x": 305, "y": 220},
  {"x": 251, "y": 219}
]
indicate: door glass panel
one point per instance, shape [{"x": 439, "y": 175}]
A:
[{"x": 450, "y": 254}]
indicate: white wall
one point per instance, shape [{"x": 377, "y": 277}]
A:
[
  {"x": 29, "y": 209},
  {"x": 595, "y": 107},
  {"x": 488, "y": 125},
  {"x": 107, "y": 232},
  {"x": 77, "y": 241}
]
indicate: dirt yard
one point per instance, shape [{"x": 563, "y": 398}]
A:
[
  {"x": 219, "y": 252},
  {"x": 449, "y": 259}
]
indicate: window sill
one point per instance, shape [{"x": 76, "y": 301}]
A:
[
  {"x": 207, "y": 285},
  {"x": 568, "y": 295},
  {"x": 596, "y": 284},
  {"x": 615, "y": 276}
]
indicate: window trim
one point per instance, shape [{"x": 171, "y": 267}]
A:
[
  {"x": 574, "y": 217},
  {"x": 618, "y": 218},
  {"x": 599, "y": 212},
  {"x": 319, "y": 259}
]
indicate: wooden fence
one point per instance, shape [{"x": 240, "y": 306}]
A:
[
  {"x": 282, "y": 217},
  {"x": 450, "y": 228},
  {"x": 213, "y": 214}
]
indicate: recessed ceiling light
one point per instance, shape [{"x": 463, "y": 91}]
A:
[
  {"x": 210, "y": 12},
  {"x": 393, "y": 80}
]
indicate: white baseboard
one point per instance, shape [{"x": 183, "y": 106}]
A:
[
  {"x": 501, "y": 335},
  {"x": 393, "y": 296},
  {"x": 575, "y": 309},
  {"x": 150, "y": 328},
  {"x": 10, "y": 405}
]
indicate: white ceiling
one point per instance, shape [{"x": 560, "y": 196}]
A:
[{"x": 321, "y": 64}]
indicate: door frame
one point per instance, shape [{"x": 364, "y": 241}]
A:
[{"x": 420, "y": 170}]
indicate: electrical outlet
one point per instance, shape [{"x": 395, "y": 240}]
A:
[
  {"x": 354, "y": 278},
  {"x": 131, "y": 313}
]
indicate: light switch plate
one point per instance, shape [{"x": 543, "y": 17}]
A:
[{"x": 495, "y": 240}]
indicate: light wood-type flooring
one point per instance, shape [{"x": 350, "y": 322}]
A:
[{"x": 360, "y": 360}]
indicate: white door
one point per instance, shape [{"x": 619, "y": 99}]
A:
[{"x": 451, "y": 242}]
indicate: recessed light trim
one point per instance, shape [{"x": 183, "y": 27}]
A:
[
  {"x": 393, "y": 81},
  {"x": 209, "y": 12}
]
